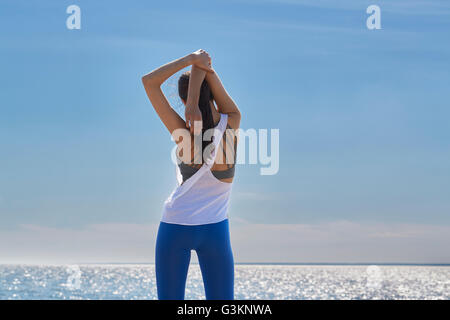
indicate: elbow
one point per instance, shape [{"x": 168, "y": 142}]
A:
[
  {"x": 238, "y": 114},
  {"x": 144, "y": 80},
  {"x": 148, "y": 80}
]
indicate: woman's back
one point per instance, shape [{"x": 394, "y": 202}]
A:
[{"x": 201, "y": 198}]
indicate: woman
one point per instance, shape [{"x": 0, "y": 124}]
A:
[{"x": 195, "y": 214}]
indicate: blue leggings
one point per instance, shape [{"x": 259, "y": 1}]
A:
[{"x": 173, "y": 253}]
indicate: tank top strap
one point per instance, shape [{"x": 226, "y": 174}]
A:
[{"x": 219, "y": 130}]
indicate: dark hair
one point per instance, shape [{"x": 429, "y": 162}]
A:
[{"x": 204, "y": 100}]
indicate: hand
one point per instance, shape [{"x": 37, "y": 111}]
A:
[
  {"x": 202, "y": 60},
  {"x": 193, "y": 118}
]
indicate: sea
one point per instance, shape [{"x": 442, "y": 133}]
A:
[{"x": 252, "y": 281}]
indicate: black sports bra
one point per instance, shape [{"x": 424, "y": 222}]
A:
[{"x": 188, "y": 171}]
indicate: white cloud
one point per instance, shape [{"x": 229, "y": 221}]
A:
[
  {"x": 94, "y": 243},
  {"x": 339, "y": 241}
]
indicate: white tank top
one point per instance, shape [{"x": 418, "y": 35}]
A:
[{"x": 201, "y": 199}]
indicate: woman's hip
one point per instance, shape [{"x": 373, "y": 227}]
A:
[{"x": 193, "y": 236}]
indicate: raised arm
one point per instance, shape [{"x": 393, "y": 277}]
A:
[
  {"x": 152, "y": 83},
  {"x": 192, "y": 111},
  {"x": 225, "y": 103}
]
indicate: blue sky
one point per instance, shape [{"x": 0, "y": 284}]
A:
[{"x": 363, "y": 118}]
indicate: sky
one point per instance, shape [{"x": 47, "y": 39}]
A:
[{"x": 363, "y": 118}]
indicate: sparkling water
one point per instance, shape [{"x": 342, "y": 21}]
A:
[{"x": 251, "y": 282}]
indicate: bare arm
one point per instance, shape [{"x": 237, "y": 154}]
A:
[
  {"x": 225, "y": 103},
  {"x": 152, "y": 83},
  {"x": 193, "y": 113}
]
